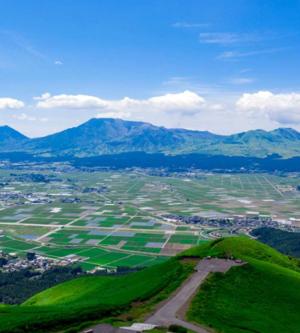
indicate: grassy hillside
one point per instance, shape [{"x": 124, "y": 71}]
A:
[
  {"x": 89, "y": 298},
  {"x": 114, "y": 290},
  {"x": 262, "y": 296}
]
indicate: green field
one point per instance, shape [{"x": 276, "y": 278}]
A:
[{"x": 127, "y": 218}]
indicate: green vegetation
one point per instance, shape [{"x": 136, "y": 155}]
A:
[
  {"x": 18, "y": 286},
  {"x": 125, "y": 219},
  {"x": 98, "y": 136},
  {"x": 260, "y": 296},
  {"x": 243, "y": 248},
  {"x": 177, "y": 329},
  {"x": 93, "y": 297},
  {"x": 284, "y": 241}
]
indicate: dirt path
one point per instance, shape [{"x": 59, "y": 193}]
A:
[{"x": 173, "y": 311}]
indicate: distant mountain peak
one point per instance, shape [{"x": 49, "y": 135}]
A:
[
  {"x": 287, "y": 132},
  {"x": 10, "y": 139},
  {"x": 8, "y": 132}
]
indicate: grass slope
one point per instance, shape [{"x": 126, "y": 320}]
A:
[
  {"x": 89, "y": 298},
  {"x": 262, "y": 296}
]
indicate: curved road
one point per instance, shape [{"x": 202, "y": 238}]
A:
[{"x": 169, "y": 313}]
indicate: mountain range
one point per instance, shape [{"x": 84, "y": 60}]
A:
[{"x": 101, "y": 136}]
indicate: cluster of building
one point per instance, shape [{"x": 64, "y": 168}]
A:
[
  {"x": 235, "y": 224},
  {"x": 11, "y": 262},
  {"x": 96, "y": 189},
  {"x": 11, "y": 197}
]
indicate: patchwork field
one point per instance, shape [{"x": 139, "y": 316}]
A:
[{"x": 121, "y": 218}]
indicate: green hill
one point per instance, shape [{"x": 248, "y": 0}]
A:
[
  {"x": 261, "y": 296},
  {"x": 109, "y": 290},
  {"x": 88, "y": 298},
  {"x": 242, "y": 248}
]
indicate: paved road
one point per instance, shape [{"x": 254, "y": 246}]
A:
[{"x": 169, "y": 313}]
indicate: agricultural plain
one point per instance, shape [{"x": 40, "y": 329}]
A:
[{"x": 130, "y": 218}]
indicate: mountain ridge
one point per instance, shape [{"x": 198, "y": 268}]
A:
[
  {"x": 11, "y": 138},
  {"x": 99, "y": 136}
]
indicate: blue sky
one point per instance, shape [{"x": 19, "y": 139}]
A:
[{"x": 219, "y": 65}]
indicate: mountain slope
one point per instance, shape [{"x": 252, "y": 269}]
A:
[
  {"x": 10, "y": 138},
  {"x": 108, "y": 136},
  {"x": 260, "y": 143},
  {"x": 113, "y": 136}
]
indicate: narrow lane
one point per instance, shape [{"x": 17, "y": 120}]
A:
[{"x": 169, "y": 313}]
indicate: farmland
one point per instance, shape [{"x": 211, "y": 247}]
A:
[{"x": 120, "y": 218}]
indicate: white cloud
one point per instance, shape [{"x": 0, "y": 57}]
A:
[
  {"x": 23, "y": 116},
  {"x": 186, "y": 101},
  {"x": 224, "y": 38},
  {"x": 237, "y": 54},
  {"x": 216, "y": 107},
  {"x": 58, "y": 62},
  {"x": 190, "y": 25},
  {"x": 220, "y": 113},
  {"x": 181, "y": 101},
  {"x": 282, "y": 108},
  {"x": 46, "y": 101},
  {"x": 44, "y": 96},
  {"x": 241, "y": 80},
  {"x": 23, "y": 44},
  {"x": 26, "y": 117},
  {"x": 10, "y": 103}
]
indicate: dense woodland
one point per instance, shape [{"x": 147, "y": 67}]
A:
[
  {"x": 222, "y": 163},
  {"x": 17, "y": 286},
  {"x": 283, "y": 241}
]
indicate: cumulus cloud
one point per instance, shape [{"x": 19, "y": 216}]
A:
[
  {"x": 182, "y": 101},
  {"x": 186, "y": 101},
  {"x": 46, "y": 101},
  {"x": 10, "y": 103},
  {"x": 188, "y": 109},
  {"x": 283, "y": 108}
]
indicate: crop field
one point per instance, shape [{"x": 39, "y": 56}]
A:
[{"x": 117, "y": 218}]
